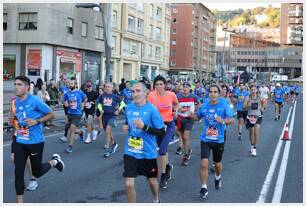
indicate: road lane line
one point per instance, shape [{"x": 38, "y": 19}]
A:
[
  {"x": 282, "y": 171},
  {"x": 266, "y": 185}
]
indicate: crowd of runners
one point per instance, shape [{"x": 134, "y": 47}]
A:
[{"x": 155, "y": 113}]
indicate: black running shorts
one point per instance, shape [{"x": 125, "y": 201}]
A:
[
  {"x": 242, "y": 114},
  {"x": 134, "y": 167},
  {"x": 217, "y": 149}
]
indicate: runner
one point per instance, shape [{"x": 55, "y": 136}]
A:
[
  {"x": 110, "y": 104},
  {"x": 217, "y": 114},
  {"x": 74, "y": 100},
  {"x": 241, "y": 113},
  {"x": 143, "y": 124},
  {"x": 166, "y": 102},
  {"x": 63, "y": 90},
  {"x": 31, "y": 113},
  {"x": 279, "y": 95},
  {"x": 188, "y": 104},
  {"x": 255, "y": 108},
  {"x": 264, "y": 95},
  {"x": 90, "y": 112}
]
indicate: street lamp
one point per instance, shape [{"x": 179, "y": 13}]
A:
[{"x": 106, "y": 34}]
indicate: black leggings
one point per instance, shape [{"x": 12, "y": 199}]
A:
[{"x": 34, "y": 151}]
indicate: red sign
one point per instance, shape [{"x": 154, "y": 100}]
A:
[
  {"x": 72, "y": 55},
  {"x": 34, "y": 59}
]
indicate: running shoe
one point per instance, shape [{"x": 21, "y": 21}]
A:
[
  {"x": 203, "y": 193},
  {"x": 239, "y": 137},
  {"x": 94, "y": 135},
  {"x": 88, "y": 139},
  {"x": 169, "y": 169},
  {"x": 32, "y": 185},
  {"x": 69, "y": 149},
  {"x": 114, "y": 148},
  {"x": 179, "y": 151},
  {"x": 60, "y": 166},
  {"x": 63, "y": 139},
  {"x": 254, "y": 152},
  {"x": 218, "y": 184},
  {"x": 163, "y": 181},
  {"x": 107, "y": 153}
]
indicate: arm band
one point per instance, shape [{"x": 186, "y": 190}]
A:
[{"x": 157, "y": 132}]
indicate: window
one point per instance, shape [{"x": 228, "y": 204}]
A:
[
  {"x": 152, "y": 10},
  {"x": 173, "y": 63},
  {"x": 173, "y": 52},
  {"x": 151, "y": 30},
  {"x": 173, "y": 31},
  {"x": 174, "y": 10},
  {"x": 84, "y": 29},
  {"x": 134, "y": 48},
  {"x": 131, "y": 23},
  {"x": 113, "y": 43},
  {"x": 27, "y": 21},
  {"x": 157, "y": 52},
  {"x": 140, "y": 26},
  {"x": 99, "y": 33},
  {"x": 70, "y": 26},
  {"x": 159, "y": 14},
  {"x": 173, "y": 42},
  {"x": 150, "y": 50},
  {"x": 126, "y": 47},
  {"x": 143, "y": 49},
  {"x": 139, "y": 7},
  {"x": 114, "y": 20},
  {"x": 4, "y": 21},
  {"x": 158, "y": 33}
]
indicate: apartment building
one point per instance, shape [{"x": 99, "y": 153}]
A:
[
  {"x": 48, "y": 40},
  {"x": 141, "y": 39},
  {"x": 193, "y": 37},
  {"x": 291, "y": 25}
]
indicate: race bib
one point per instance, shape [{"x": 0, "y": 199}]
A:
[
  {"x": 88, "y": 105},
  {"x": 241, "y": 98},
  {"x": 23, "y": 133},
  {"x": 212, "y": 133},
  {"x": 135, "y": 145},
  {"x": 252, "y": 119},
  {"x": 73, "y": 104}
]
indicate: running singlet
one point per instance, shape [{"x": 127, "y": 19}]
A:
[
  {"x": 30, "y": 108},
  {"x": 163, "y": 104},
  {"x": 186, "y": 104},
  {"x": 109, "y": 103},
  {"x": 127, "y": 94},
  {"x": 140, "y": 144},
  {"x": 74, "y": 99},
  {"x": 241, "y": 98},
  {"x": 213, "y": 131},
  {"x": 278, "y": 94}
]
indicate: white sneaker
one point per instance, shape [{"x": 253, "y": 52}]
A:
[
  {"x": 251, "y": 151},
  {"x": 32, "y": 185},
  {"x": 64, "y": 139},
  {"x": 94, "y": 135},
  {"x": 88, "y": 139},
  {"x": 254, "y": 152}
]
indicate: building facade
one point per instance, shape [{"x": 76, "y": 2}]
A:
[
  {"x": 192, "y": 37},
  {"x": 291, "y": 25},
  {"x": 49, "y": 40},
  {"x": 140, "y": 34}
]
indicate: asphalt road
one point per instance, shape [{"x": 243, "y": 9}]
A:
[{"x": 90, "y": 178}]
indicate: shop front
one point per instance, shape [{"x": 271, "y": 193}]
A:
[{"x": 91, "y": 66}]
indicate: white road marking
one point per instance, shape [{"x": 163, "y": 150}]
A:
[
  {"x": 266, "y": 185},
  {"x": 282, "y": 171}
]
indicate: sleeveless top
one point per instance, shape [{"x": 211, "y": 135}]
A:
[{"x": 255, "y": 106}]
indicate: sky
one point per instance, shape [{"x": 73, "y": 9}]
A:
[{"x": 237, "y": 5}]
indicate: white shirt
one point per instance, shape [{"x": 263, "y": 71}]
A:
[{"x": 264, "y": 92}]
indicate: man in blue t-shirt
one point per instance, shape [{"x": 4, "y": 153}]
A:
[
  {"x": 30, "y": 112},
  {"x": 127, "y": 93},
  {"x": 63, "y": 90},
  {"x": 279, "y": 97},
  {"x": 242, "y": 113},
  {"x": 217, "y": 114},
  {"x": 74, "y": 100},
  {"x": 109, "y": 102},
  {"x": 143, "y": 124}
]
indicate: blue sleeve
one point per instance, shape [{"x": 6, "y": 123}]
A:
[
  {"x": 64, "y": 97},
  {"x": 229, "y": 113},
  {"x": 199, "y": 112},
  {"x": 157, "y": 119},
  {"x": 41, "y": 106}
]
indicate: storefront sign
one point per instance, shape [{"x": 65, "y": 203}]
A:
[
  {"x": 74, "y": 57},
  {"x": 34, "y": 59}
]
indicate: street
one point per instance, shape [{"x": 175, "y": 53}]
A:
[{"x": 90, "y": 178}]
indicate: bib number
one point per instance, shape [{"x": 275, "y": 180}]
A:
[
  {"x": 135, "y": 145},
  {"x": 212, "y": 133},
  {"x": 23, "y": 133}
]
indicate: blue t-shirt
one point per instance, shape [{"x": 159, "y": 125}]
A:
[
  {"x": 241, "y": 98},
  {"x": 64, "y": 89},
  {"x": 75, "y": 99},
  {"x": 279, "y": 94},
  {"x": 30, "y": 108},
  {"x": 127, "y": 94},
  {"x": 110, "y": 102},
  {"x": 140, "y": 144},
  {"x": 199, "y": 92},
  {"x": 213, "y": 131}
]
